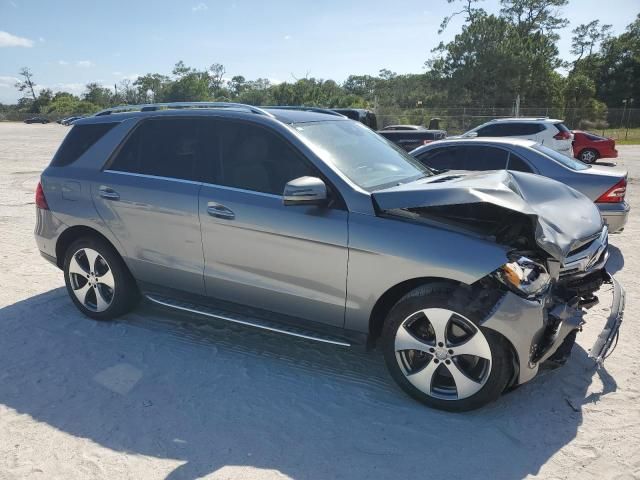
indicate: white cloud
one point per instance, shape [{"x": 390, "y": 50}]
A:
[
  {"x": 8, "y": 40},
  {"x": 200, "y": 7},
  {"x": 63, "y": 62},
  {"x": 85, "y": 63},
  {"x": 287, "y": 37},
  {"x": 8, "y": 82}
]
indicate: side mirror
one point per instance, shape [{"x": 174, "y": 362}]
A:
[
  {"x": 470, "y": 135},
  {"x": 305, "y": 191}
]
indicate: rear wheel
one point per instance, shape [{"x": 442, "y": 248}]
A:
[
  {"x": 97, "y": 279},
  {"x": 436, "y": 351},
  {"x": 588, "y": 155}
]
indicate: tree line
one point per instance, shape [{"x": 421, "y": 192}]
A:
[{"x": 495, "y": 60}]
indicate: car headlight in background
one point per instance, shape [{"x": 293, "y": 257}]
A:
[{"x": 525, "y": 277}]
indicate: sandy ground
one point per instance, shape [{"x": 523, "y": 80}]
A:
[{"x": 161, "y": 396}]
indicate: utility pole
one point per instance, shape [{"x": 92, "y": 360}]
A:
[{"x": 626, "y": 133}]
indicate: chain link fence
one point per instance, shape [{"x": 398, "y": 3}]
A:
[{"x": 617, "y": 122}]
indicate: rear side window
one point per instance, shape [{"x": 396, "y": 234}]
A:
[
  {"x": 594, "y": 137},
  {"x": 163, "y": 148},
  {"x": 561, "y": 127},
  {"x": 484, "y": 158},
  {"x": 78, "y": 141},
  {"x": 521, "y": 129},
  {"x": 517, "y": 164},
  {"x": 493, "y": 130},
  {"x": 446, "y": 158}
]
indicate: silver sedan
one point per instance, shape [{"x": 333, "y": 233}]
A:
[{"x": 605, "y": 186}]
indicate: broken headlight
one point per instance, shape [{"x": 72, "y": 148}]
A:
[{"x": 525, "y": 277}]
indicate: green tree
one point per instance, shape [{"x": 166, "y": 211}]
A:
[{"x": 98, "y": 95}]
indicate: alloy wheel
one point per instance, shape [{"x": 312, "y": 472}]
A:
[
  {"x": 91, "y": 279},
  {"x": 443, "y": 354},
  {"x": 588, "y": 156}
]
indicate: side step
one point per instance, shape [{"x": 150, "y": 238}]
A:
[{"x": 245, "y": 320}]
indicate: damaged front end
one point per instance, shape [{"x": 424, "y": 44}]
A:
[
  {"x": 557, "y": 251},
  {"x": 542, "y": 328}
]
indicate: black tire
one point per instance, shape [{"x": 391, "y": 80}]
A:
[
  {"x": 447, "y": 296},
  {"x": 588, "y": 155},
  {"x": 125, "y": 294}
]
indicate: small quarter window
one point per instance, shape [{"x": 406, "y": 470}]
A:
[{"x": 78, "y": 141}]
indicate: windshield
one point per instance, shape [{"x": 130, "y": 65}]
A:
[
  {"x": 561, "y": 158},
  {"x": 366, "y": 158}
]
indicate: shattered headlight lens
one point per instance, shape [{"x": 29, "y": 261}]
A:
[{"x": 525, "y": 277}]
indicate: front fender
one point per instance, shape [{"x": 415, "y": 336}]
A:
[{"x": 384, "y": 252}]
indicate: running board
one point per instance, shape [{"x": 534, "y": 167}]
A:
[{"x": 245, "y": 320}]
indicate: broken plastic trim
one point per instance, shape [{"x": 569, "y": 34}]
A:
[{"x": 609, "y": 333}]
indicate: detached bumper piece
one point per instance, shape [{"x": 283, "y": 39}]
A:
[{"x": 609, "y": 334}]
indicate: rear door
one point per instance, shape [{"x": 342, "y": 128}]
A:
[
  {"x": 286, "y": 259},
  {"x": 148, "y": 196}
]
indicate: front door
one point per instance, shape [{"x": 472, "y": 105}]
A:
[{"x": 290, "y": 260}]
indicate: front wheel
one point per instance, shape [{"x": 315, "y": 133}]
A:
[
  {"x": 436, "y": 351},
  {"x": 97, "y": 279}
]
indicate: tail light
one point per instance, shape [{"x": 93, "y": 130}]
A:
[
  {"x": 615, "y": 194},
  {"x": 41, "y": 201},
  {"x": 562, "y": 136}
]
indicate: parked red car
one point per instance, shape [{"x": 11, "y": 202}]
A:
[{"x": 588, "y": 147}]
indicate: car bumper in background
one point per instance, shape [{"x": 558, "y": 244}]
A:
[{"x": 615, "y": 215}]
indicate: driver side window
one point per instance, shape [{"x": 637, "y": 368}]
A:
[{"x": 253, "y": 158}]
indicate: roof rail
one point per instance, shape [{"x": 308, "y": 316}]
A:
[
  {"x": 149, "y": 107},
  {"x": 328, "y": 111}
]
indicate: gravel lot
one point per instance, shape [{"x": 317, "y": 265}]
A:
[{"x": 158, "y": 396}]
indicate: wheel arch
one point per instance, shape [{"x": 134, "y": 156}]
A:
[
  {"x": 71, "y": 234},
  {"x": 389, "y": 298}
]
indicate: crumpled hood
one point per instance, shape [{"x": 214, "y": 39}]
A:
[{"x": 562, "y": 215}]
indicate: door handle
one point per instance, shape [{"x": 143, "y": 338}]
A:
[
  {"x": 109, "y": 193},
  {"x": 220, "y": 211}
]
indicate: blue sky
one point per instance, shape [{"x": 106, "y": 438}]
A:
[{"x": 68, "y": 43}]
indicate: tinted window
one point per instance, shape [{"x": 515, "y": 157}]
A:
[
  {"x": 520, "y": 129},
  {"x": 560, "y": 158},
  {"x": 484, "y": 158},
  {"x": 253, "y": 158},
  {"x": 594, "y": 137},
  {"x": 517, "y": 164},
  {"x": 445, "y": 158},
  {"x": 561, "y": 127},
  {"x": 493, "y": 130},
  {"x": 164, "y": 148},
  {"x": 78, "y": 141}
]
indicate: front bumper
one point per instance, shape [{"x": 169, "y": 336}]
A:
[
  {"x": 526, "y": 325},
  {"x": 611, "y": 329},
  {"x": 615, "y": 215}
]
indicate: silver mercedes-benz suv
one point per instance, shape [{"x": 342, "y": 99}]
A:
[{"x": 303, "y": 222}]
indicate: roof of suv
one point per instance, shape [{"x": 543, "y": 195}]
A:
[
  {"x": 522, "y": 142},
  {"x": 526, "y": 119},
  {"x": 288, "y": 115}
]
